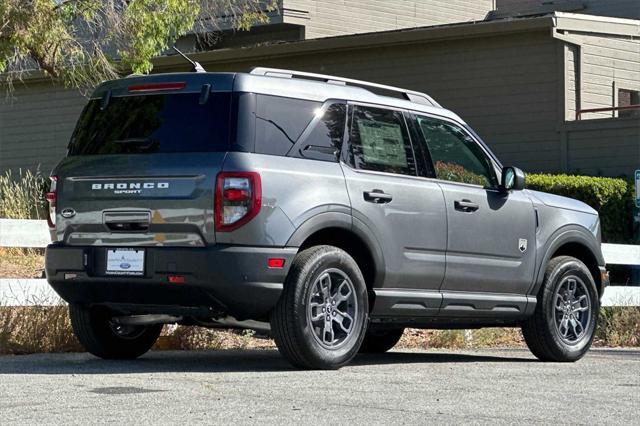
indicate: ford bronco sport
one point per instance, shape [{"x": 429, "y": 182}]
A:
[{"x": 330, "y": 211}]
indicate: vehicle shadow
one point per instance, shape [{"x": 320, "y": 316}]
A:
[{"x": 226, "y": 361}]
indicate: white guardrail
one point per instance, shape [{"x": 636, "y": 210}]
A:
[{"x": 35, "y": 234}]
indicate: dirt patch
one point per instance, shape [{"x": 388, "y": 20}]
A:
[{"x": 458, "y": 339}]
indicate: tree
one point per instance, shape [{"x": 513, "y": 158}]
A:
[{"x": 81, "y": 42}]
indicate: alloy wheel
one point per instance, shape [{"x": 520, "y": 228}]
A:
[
  {"x": 332, "y": 308},
  {"x": 572, "y": 309}
]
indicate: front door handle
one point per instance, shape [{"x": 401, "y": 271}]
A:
[
  {"x": 465, "y": 206},
  {"x": 377, "y": 196}
]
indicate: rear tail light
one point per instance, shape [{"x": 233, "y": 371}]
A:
[
  {"x": 156, "y": 87},
  {"x": 176, "y": 279},
  {"x": 238, "y": 199},
  {"x": 275, "y": 263},
  {"x": 52, "y": 197}
]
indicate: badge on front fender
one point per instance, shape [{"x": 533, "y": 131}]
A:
[{"x": 522, "y": 245}]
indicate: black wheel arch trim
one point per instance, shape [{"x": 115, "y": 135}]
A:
[
  {"x": 565, "y": 235},
  {"x": 349, "y": 223}
]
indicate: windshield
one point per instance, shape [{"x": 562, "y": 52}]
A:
[{"x": 153, "y": 124}]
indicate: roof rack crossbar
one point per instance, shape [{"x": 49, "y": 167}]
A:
[{"x": 409, "y": 95}]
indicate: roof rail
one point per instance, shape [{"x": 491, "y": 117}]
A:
[{"x": 409, "y": 95}]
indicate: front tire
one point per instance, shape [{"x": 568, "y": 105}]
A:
[
  {"x": 380, "y": 340},
  {"x": 320, "y": 319},
  {"x": 99, "y": 335},
  {"x": 564, "y": 322}
]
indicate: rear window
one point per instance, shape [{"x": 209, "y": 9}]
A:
[
  {"x": 153, "y": 124},
  {"x": 280, "y": 122}
]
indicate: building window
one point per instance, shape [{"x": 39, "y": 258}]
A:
[{"x": 628, "y": 98}]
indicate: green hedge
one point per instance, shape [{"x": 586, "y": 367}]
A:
[{"x": 613, "y": 199}]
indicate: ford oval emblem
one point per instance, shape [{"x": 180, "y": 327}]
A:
[
  {"x": 68, "y": 213},
  {"x": 125, "y": 265}
]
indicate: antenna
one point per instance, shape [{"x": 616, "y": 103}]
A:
[{"x": 196, "y": 66}]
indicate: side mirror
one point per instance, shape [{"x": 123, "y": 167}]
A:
[{"x": 512, "y": 179}]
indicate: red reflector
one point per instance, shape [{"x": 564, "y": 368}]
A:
[
  {"x": 275, "y": 263},
  {"x": 154, "y": 87},
  {"x": 51, "y": 197},
  {"x": 176, "y": 279},
  {"x": 236, "y": 195}
]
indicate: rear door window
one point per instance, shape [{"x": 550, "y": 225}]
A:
[
  {"x": 157, "y": 123},
  {"x": 379, "y": 141}
]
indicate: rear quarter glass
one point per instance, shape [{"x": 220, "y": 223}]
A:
[{"x": 153, "y": 123}]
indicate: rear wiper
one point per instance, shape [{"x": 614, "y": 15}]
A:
[
  {"x": 277, "y": 126},
  {"x": 145, "y": 143},
  {"x": 132, "y": 140}
]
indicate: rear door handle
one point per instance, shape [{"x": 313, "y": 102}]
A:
[
  {"x": 465, "y": 206},
  {"x": 126, "y": 221},
  {"x": 377, "y": 196}
]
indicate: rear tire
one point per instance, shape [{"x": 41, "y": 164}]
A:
[
  {"x": 320, "y": 319},
  {"x": 100, "y": 336},
  {"x": 564, "y": 322},
  {"x": 380, "y": 340}
]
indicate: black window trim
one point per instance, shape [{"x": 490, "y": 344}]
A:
[
  {"x": 494, "y": 167},
  {"x": 346, "y": 143},
  {"x": 427, "y": 162}
]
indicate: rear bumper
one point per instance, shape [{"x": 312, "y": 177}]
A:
[{"x": 232, "y": 280}]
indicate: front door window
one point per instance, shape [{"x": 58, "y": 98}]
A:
[{"x": 456, "y": 156}]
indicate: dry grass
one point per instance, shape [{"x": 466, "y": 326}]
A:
[
  {"x": 619, "y": 327},
  {"x": 22, "y": 195},
  {"x": 25, "y": 330},
  {"x": 199, "y": 338},
  {"x": 21, "y": 263},
  {"x": 47, "y": 329},
  {"x": 459, "y": 339}
]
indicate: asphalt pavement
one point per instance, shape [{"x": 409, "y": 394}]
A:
[{"x": 259, "y": 387}]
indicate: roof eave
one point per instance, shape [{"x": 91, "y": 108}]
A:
[
  {"x": 578, "y": 22},
  {"x": 367, "y": 40}
]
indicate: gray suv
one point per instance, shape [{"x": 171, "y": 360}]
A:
[{"x": 332, "y": 212}]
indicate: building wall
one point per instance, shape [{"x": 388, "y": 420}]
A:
[
  {"x": 615, "y": 8},
  {"x": 572, "y": 77},
  {"x": 605, "y": 64},
  {"x": 604, "y": 147},
  {"x": 35, "y": 125},
  {"x": 338, "y": 17}
]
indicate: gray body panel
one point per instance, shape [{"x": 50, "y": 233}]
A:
[
  {"x": 180, "y": 215},
  {"x": 411, "y": 229},
  {"x": 433, "y": 264},
  {"x": 483, "y": 253},
  {"x": 293, "y": 191},
  {"x": 482, "y": 250}
]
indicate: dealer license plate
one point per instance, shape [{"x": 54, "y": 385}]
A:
[{"x": 125, "y": 261}]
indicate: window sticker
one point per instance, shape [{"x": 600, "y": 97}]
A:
[{"x": 382, "y": 143}]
